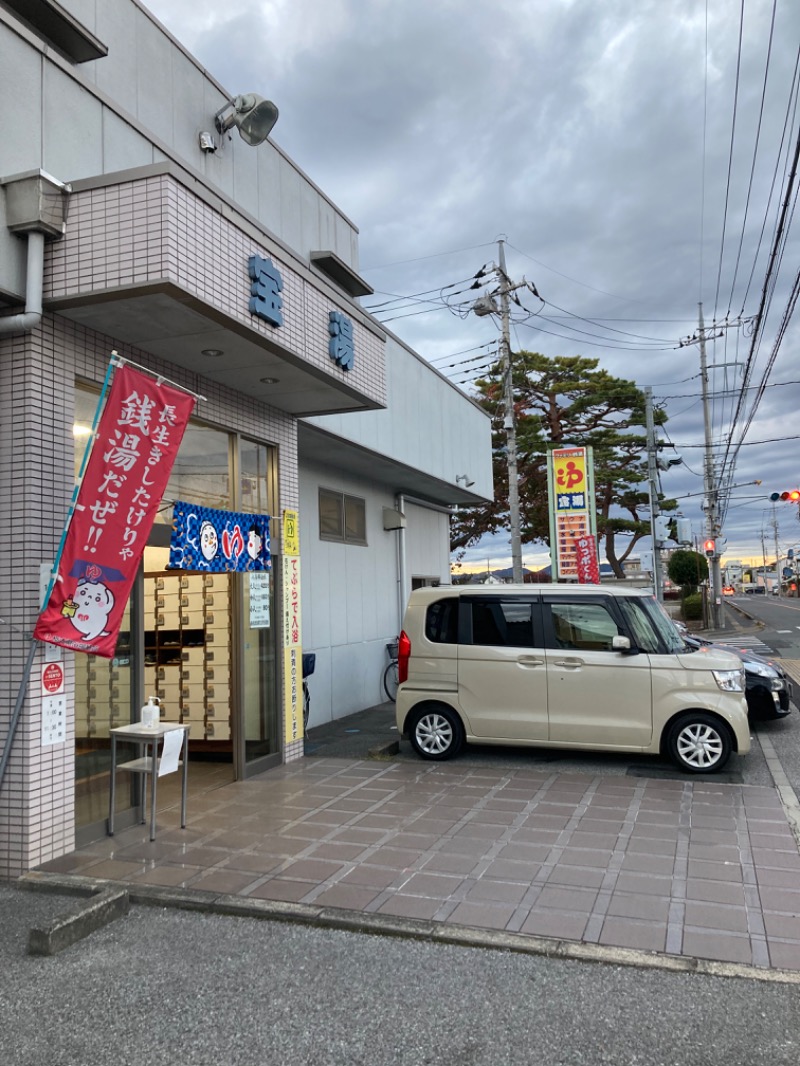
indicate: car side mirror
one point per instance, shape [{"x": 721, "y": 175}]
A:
[{"x": 620, "y": 643}]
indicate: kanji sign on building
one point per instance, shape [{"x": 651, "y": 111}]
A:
[
  {"x": 137, "y": 439},
  {"x": 571, "y": 503},
  {"x": 569, "y": 475},
  {"x": 340, "y": 346},
  {"x": 265, "y": 292}
]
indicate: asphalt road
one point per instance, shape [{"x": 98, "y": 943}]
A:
[
  {"x": 186, "y": 989},
  {"x": 780, "y": 618}
]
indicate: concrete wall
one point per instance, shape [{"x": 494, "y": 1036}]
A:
[
  {"x": 429, "y": 424},
  {"x": 427, "y": 544},
  {"x": 349, "y": 597},
  {"x": 351, "y": 602}
]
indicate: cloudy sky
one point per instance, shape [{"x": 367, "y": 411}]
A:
[{"x": 606, "y": 141}]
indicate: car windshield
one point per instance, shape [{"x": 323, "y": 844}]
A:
[{"x": 663, "y": 625}]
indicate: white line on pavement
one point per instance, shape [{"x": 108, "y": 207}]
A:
[{"x": 788, "y": 797}]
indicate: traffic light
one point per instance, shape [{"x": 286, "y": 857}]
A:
[
  {"x": 684, "y": 531},
  {"x": 710, "y": 548},
  {"x": 661, "y": 527},
  {"x": 790, "y": 496}
]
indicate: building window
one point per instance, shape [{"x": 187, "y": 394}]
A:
[{"x": 342, "y": 517}]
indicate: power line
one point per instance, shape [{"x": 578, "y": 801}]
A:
[
  {"x": 625, "y": 299},
  {"x": 766, "y": 294},
  {"x": 787, "y": 124},
  {"x": 744, "y": 444},
  {"x": 434, "y": 255},
  {"x": 730, "y": 155},
  {"x": 412, "y": 296},
  {"x": 591, "y": 322},
  {"x": 463, "y": 351},
  {"x": 755, "y": 152},
  {"x": 595, "y": 344}
]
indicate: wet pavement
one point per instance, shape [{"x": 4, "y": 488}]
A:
[
  {"x": 501, "y": 846},
  {"x": 687, "y": 868}
]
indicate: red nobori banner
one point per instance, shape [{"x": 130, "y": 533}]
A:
[
  {"x": 586, "y": 560},
  {"x": 137, "y": 439}
]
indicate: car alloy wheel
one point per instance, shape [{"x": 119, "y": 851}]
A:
[
  {"x": 436, "y": 732},
  {"x": 699, "y": 744}
]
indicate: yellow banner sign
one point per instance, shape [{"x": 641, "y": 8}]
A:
[
  {"x": 569, "y": 477},
  {"x": 291, "y": 533},
  {"x": 292, "y": 651}
]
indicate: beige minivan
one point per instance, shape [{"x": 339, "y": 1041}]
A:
[{"x": 567, "y": 666}]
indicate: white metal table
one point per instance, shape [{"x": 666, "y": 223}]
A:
[{"x": 146, "y": 764}]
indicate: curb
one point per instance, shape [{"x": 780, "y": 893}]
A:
[
  {"x": 384, "y": 751},
  {"x": 406, "y": 928},
  {"x": 105, "y": 906},
  {"x": 750, "y": 617}
]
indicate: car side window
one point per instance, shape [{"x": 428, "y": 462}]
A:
[
  {"x": 583, "y": 626},
  {"x": 640, "y": 626},
  {"x": 441, "y": 622},
  {"x": 504, "y": 623}
]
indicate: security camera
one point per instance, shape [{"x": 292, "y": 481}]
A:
[
  {"x": 675, "y": 461},
  {"x": 207, "y": 143}
]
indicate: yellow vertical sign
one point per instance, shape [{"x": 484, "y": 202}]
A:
[
  {"x": 291, "y": 533},
  {"x": 292, "y": 638}
]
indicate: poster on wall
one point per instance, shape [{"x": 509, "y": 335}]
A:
[
  {"x": 216, "y": 542},
  {"x": 259, "y": 600},
  {"x": 137, "y": 439},
  {"x": 54, "y": 704}
]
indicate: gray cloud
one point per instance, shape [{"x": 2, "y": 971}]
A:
[{"x": 576, "y": 129}]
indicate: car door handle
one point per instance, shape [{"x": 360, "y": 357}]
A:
[
  {"x": 570, "y": 664},
  {"x": 530, "y": 660}
]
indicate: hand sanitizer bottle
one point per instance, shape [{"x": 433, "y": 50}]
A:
[{"x": 150, "y": 715}]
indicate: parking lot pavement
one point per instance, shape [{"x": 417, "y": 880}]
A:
[
  {"x": 690, "y": 869},
  {"x": 169, "y": 987}
]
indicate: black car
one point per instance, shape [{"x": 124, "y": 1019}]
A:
[{"x": 768, "y": 690}]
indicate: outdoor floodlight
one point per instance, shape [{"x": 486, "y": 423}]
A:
[
  {"x": 207, "y": 142},
  {"x": 253, "y": 116}
]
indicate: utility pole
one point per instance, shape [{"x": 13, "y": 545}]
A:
[
  {"x": 763, "y": 560},
  {"x": 709, "y": 483},
  {"x": 777, "y": 551},
  {"x": 652, "y": 478},
  {"x": 486, "y": 305},
  {"x": 711, "y": 489},
  {"x": 510, "y": 423}
]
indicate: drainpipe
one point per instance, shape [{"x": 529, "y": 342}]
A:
[
  {"x": 32, "y": 315},
  {"x": 35, "y": 207},
  {"x": 401, "y": 563}
]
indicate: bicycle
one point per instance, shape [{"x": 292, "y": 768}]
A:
[
  {"x": 390, "y": 674},
  {"x": 309, "y": 662}
]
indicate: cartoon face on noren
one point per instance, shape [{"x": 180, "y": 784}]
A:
[
  {"x": 209, "y": 541},
  {"x": 255, "y": 541}
]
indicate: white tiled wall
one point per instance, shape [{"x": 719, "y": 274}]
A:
[
  {"x": 154, "y": 229},
  {"x": 37, "y": 374}
]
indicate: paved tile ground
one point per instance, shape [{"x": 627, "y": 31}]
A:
[{"x": 701, "y": 869}]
